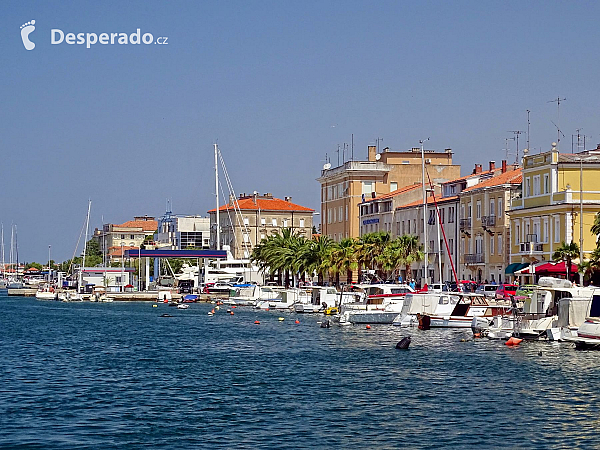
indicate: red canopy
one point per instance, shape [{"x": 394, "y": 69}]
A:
[{"x": 551, "y": 267}]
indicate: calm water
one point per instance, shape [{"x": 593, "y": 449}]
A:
[{"x": 119, "y": 376}]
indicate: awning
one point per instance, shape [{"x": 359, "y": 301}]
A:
[
  {"x": 512, "y": 268},
  {"x": 551, "y": 268}
]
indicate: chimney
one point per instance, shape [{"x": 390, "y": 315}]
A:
[
  {"x": 372, "y": 152},
  {"x": 492, "y": 165},
  {"x": 477, "y": 169},
  {"x": 503, "y": 166}
]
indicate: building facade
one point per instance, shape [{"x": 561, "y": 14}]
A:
[
  {"x": 183, "y": 232},
  {"x": 560, "y": 197},
  {"x": 244, "y": 222},
  {"x": 484, "y": 225},
  {"x": 130, "y": 234},
  {"x": 345, "y": 186}
]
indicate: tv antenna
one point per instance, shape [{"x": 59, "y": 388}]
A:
[
  {"x": 528, "y": 123},
  {"x": 557, "y": 100},
  {"x": 378, "y": 140},
  {"x": 506, "y": 148},
  {"x": 516, "y": 133}
]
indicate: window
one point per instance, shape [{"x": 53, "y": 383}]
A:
[
  {"x": 346, "y": 213},
  {"x": 368, "y": 187},
  {"x": 285, "y": 223},
  {"x": 545, "y": 237},
  {"x": 451, "y": 214},
  {"x": 478, "y": 209},
  {"x": 442, "y": 210},
  {"x": 469, "y": 211},
  {"x": 132, "y": 236},
  {"x": 462, "y": 211},
  {"x": 536, "y": 185},
  {"x": 246, "y": 237},
  {"x": 393, "y": 186},
  {"x": 451, "y": 245},
  {"x": 500, "y": 244},
  {"x": 479, "y": 245},
  {"x": 431, "y": 247},
  {"x": 246, "y": 221},
  {"x": 122, "y": 236},
  {"x": 340, "y": 215},
  {"x": 557, "y": 229},
  {"x": 462, "y": 245},
  {"x": 402, "y": 229},
  {"x": 517, "y": 234},
  {"x": 500, "y": 208},
  {"x": 262, "y": 236},
  {"x": 546, "y": 183},
  {"x": 431, "y": 220},
  {"x": 526, "y": 186},
  {"x": 274, "y": 222},
  {"x": 334, "y": 215},
  {"x": 301, "y": 223},
  {"x": 263, "y": 221},
  {"x": 118, "y": 279},
  {"x": 491, "y": 245},
  {"x": 492, "y": 207}
]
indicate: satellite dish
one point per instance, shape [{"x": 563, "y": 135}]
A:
[
  {"x": 327, "y": 166},
  {"x": 377, "y": 157}
]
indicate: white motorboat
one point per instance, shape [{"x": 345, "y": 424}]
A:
[
  {"x": 249, "y": 296},
  {"x": 325, "y": 297},
  {"x": 541, "y": 311},
  {"x": 46, "y": 293},
  {"x": 588, "y": 333},
  {"x": 382, "y": 304},
  {"x": 286, "y": 299},
  {"x": 183, "y": 306}
]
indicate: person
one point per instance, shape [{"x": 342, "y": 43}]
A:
[{"x": 412, "y": 283}]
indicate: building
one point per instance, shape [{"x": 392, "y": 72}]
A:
[
  {"x": 244, "y": 222},
  {"x": 344, "y": 187},
  {"x": 401, "y": 212},
  {"x": 130, "y": 234},
  {"x": 183, "y": 232},
  {"x": 560, "y": 197},
  {"x": 484, "y": 224},
  {"x": 115, "y": 279}
]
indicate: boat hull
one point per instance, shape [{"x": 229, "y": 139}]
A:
[{"x": 364, "y": 317}]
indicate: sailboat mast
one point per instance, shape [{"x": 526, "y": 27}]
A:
[
  {"x": 3, "y": 261},
  {"x": 425, "y": 243},
  {"x": 16, "y": 253},
  {"x": 218, "y": 225},
  {"x": 87, "y": 224}
]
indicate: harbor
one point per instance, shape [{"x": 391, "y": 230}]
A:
[{"x": 193, "y": 380}]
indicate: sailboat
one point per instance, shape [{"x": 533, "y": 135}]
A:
[
  {"x": 3, "y": 278},
  {"x": 13, "y": 281},
  {"x": 77, "y": 296}
]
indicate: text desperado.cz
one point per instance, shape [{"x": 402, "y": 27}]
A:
[{"x": 58, "y": 37}]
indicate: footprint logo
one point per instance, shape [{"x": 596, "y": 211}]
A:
[{"x": 26, "y": 30}]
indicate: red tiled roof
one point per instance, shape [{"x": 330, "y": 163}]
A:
[
  {"x": 485, "y": 172},
  {"x": 264, "y": 204},
  {"x": 146, "y": 225},
  {"x": 396, "y": 192},
  {"x": 429, "y": 201},
  {"x": 116, "y": 251},
  {"x": 510, "y": 177}
]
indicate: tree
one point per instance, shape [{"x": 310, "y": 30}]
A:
[
  {"x": 566, "y": 252},
  {"x": 596, "y": 228}
]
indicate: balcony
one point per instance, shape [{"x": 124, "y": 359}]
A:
[
  {"x": 531, "y": 247},
  {"x": 465, "y": 223},
  {"x": 474, "y": 258},
  {"x": 488, "y": 221}
]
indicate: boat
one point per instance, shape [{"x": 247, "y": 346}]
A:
[
  {"x": 286, "y": 299},
  {"x": 540, "y": 316},
  {"x": 183, "y": 306},
  {"x": 251, "y": 295},
  {"x": 46, "y": 293},
  {"x": 325, "y": 297}
]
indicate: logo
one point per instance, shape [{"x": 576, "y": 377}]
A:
[{"x": 26, "y": 30}]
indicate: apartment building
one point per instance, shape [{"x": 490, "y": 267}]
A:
[
  {"x": 560, "y": 197},
  {"x": 345, "y": 186},
  {"x": 244, "y": 222},
  {"x": 183, "y": 232},
  {"x": 130, "y": 234}
]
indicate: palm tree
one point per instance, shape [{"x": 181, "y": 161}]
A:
[
  {"x": 566, "y": 252},
  {"x": 596, "y": 227},
  {"x": 343, "y": 258},
  {"x": 412, "y": 251}
]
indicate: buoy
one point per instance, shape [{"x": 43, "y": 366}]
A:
[
  {"x": 513, "y": 341},
  {"x": 281, "y": 319},
  {"x": 233, "y": 307},
  {"x": 404, "y": 343},
  {"x": 231, "y": 312},
  {"x": 212, "y": 310},
  {"x": 155, "y": 306},
  {"x": 297, "y": 321},
  {"x": 476, "y": 335},
  {"x": 368, "y": 327},
  {"x": 266, "y": 309},
  {"x": 257, "y": 322}
]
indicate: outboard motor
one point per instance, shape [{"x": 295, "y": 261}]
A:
[{"x": 403, "y": 344}]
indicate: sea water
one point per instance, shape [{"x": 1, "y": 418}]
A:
[{"x": 118, "y": 375}]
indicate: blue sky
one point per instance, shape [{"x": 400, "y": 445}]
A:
[{"x": 279, "y": 84}]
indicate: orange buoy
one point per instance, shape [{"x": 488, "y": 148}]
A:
[
  {"x": 233, "y": 307},
  {"x": 297, "y": 321},
  {"x": 476, "y": 335},
  {"x": 212, "y": 310},
  {"x": 513, "y": 341},
  {"x": 266, "y": 309},
  {"x": 257, "y": 322},
  {"x": 368, "y": 327},
  {"x": 231, "y": 312}
]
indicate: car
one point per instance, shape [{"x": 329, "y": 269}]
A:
[
  {"x": 504, "y": 291},
  {"x": 489, "y": 290}
]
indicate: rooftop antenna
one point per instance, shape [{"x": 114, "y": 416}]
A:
[
  {"x": 506, "y": 145},
  {"x": 559, "y": 132},
  {"x": 352, "y": 139},
  {"x": 528, "y": 123},
  {"x": 517, "y": 133},
  {"x": 338, "y": 154},
  {"x": 558, "y": 100}
]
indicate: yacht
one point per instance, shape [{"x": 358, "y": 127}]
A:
[
  {"x": 325, "y": 297},
  {"x": 250, "y": 295},
  {"x": 540, "y": 316},
  {"x": 46, "y": 293},
  {"x": 286, "y": 299},
  {"x": 588, "y": 333}
]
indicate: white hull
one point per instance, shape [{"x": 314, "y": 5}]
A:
[
  {"x": 450, "y": 322},
  {"x": 368, "y": 317},
  {"x": 46, "y": 295},
  {"x": 303, "y": 308}
]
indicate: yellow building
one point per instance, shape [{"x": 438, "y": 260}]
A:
[
  {"x": 345, "y": 186},
  {"x": 557, "y": 188},
  {"x": 484, "y": 225}
]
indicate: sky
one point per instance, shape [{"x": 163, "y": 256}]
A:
[{"x": 278, "y": 84}]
